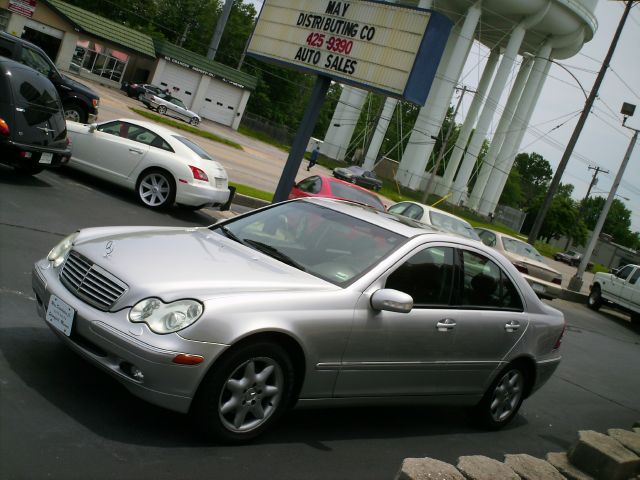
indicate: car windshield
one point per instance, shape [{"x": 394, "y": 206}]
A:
[
  {"x": 325, "y": 243},
  {"x": 194, "y": 147},
  {"x": 452, "y": 225},
  {"x": 356, "y": 170},
  {"x": 176, "y": 101},
  {"x": 521, "y": 248},
  {"x": 347, "y": 192}
]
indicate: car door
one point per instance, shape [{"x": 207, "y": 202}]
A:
[
  {"x": 489, "y": 316},
  {"x": 630, "y": 288},
  {"x": 395, "y": 354},
  {"x": 618, "y": 283},
  {"x": 118, "y": 150},
  {"x": 178, "y": 108}
]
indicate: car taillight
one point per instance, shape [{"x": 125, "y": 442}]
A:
[
  {"x": 4, "y": 128},
  {"x": 557, "y": 281},
  {"x": 559, "y": 340},
  {"x": 521, "y": 268},
  {"x": 198, "y": 174},
  {"x": 95, "y": 102}
]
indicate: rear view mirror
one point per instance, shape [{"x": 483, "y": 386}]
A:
[
  {"x": 92, "y": 127},
  {"x": 391, "y": 301}
]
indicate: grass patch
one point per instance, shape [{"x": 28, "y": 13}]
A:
[
  {"x": 187, "y": 128},
  {"x": 263, "y": 137},
  {"x": 252, "y": 192}
]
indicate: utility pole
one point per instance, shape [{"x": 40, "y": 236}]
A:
[
  {"x": 443, "y": 147},
  {"x": 575, "y": 283},
  {"x": 217, "y": 34},
  {"x": 553, "y": 187},
  {"x": 594, "y": 180}
]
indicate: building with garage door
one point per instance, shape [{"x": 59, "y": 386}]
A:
[
  {"x": 96, "y": 48},
  {"x": 211, "y": 89}
]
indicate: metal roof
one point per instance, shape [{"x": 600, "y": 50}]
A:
[
  {"x": 200, "y": 63},
  {"x": 104, "y": 28}
]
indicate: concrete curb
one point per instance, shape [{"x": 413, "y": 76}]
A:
[
  {"x": 576, "y": 297},
  {"x": 250, "y": 202}
]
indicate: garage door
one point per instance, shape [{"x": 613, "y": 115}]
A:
[
  {"x": 181, "y": 82},
  {"x": 221, "y": 102}
]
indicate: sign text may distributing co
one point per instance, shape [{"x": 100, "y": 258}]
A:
[{"x": 373, "y": 45}]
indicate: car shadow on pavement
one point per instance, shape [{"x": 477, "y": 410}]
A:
[
  {"x": 92, "y": 398},
  {"x": 10, "y": 176}
]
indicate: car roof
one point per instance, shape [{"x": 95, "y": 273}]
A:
[
  {"x": 429, "y": 208},
  {"x": 9, "y": 64},
  {"x": 154, "y": 127}
]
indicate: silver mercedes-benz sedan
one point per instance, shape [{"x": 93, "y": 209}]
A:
[{"x": 310, "y": 302}]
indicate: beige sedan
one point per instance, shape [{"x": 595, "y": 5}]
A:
[{"x": 544, "y": 280}]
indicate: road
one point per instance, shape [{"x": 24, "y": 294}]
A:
[{"x": 61, "y": 418}]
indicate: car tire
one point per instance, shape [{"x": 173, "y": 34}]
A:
[
  {"x": 162, "y": 109},
  {"x": 33, "y": 169},
  {"x": 245, "y": 393},
  {"x": 594, "y": 302},
  {"x": 194, "y": 121},
  {"x": 156, "y": 189},
  {"x": 503, "y": 399},
  {"x": 75, "y": 113}
]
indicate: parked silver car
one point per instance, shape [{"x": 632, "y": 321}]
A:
[
  {"x": 166, "y": 104},
  {"x": 311, "y": 301}
]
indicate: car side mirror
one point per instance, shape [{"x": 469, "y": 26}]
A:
[
  {"x": 391, "y": 300},
  {"x": 92, "y": 127}
]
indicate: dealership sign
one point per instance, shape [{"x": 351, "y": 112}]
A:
[
  {"x": 23, "y": 7},
  {"x": 372, "y": 45}
]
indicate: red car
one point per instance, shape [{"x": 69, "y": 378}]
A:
[{"x": 323, "y": 186}]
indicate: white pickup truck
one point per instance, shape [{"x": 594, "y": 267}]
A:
[{"x": 620, "y": 289}]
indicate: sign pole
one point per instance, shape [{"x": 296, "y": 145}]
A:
[{"x": 300, "y": 142}]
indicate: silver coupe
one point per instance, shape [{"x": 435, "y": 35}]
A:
[{"x": 311, "y": 302}]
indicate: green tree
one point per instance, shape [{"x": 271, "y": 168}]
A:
[
  {"x": 617, "y": 223},
  {"x": 535, "y": 175}
]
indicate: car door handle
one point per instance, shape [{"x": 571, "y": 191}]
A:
[
  {"x": 512, "y": 326},
  {"x": 135, "y": 150},
  {"x": 445, "y": 325}
]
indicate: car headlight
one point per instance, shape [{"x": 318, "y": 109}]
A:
[
  {"x": 166, "y": 317},
  {"x": 59, "y": 252}
]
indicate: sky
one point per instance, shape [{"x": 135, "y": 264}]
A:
[{"x": 603, "y": 141}]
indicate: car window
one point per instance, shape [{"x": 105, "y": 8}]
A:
[
  {"x": 485, "y": 285},
  {"x": 178, "y": 102},
  {"x": 452, "y": 224},
  {"x": 6, "y": 48},
  {"x": 311, "y": 185},
  {"x": 634, "y": 278},
  {"x": 133, "y": 132},
  {"x": 347, "y": 192},
  {"x": 521, "y": 248},
  {"x": 356, "y": 170},
  {"x": 325, "y": 243},
  {"x": 398, "y": 208},
  {"x": 488, "y": 238},
  {"x": 427, "y": 276},
  {"x": 33, "y": 90},
  {"x": 624, "y": 272},
  {"x": 35, "y": 60},
  {"x": 193, "y": 147}
]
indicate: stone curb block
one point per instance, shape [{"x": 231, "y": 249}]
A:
[
  {"x": 576, "y": 297},
  {"x": 250, "y": 202},
  {"x": 560, "y": 460},
  {"x": 532, "y": 468},
  {"x": 427, "y": 469},
  {"x": 479, "y": 467},
  {"x": 603, "y": 457},
  {"x": 631, "y": 440}
]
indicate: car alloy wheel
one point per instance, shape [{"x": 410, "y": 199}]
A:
[
  {"x": 156, "y": 189},
  {"x": 74, "y": 114},
  {"x": 194, "y": 121},
  {"x": 162, "y": 109},
  {"x": 245, "y": 393},
  {"x": 594, "y": 302},
  {"x": 502, "y": 400}
]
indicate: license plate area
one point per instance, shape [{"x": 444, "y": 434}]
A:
[
  {"x": 60, "y": 315},
  {"x": 46, "y": 158}
]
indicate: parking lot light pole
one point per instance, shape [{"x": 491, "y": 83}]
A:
[{"x": 576, "y": 281}]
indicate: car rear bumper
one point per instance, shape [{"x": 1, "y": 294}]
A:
[
  {"x": 544, "y": 370},
  {"x": 202, "y": 194},
  {"x": 544, "y": 289},
  {"x": 111, "y": 342},
  {"x": 32, "y": 155}
]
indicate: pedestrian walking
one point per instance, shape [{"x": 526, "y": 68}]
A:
[{"x": 314, "y": 156}]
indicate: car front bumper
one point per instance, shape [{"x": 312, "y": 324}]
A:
[{"x": 110, "y": 341}]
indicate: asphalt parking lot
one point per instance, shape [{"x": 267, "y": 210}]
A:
[{"x": 62, "y": 418}]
